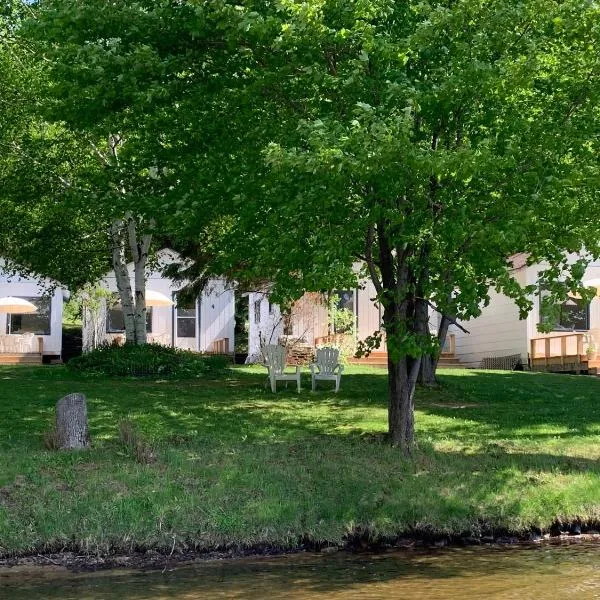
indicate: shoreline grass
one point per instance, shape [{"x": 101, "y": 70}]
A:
[{"x": 238, "y": 466}]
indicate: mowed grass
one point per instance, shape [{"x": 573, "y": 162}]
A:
[{"x": 238, "y": 466}]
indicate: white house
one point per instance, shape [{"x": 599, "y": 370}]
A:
[
  {"x": 35, "y": 336},
  {"x": 498, "y": 331},
  {"x": 309, "y": 321},
  {"x": 204, "y": 325}
]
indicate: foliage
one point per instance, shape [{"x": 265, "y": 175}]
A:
[
  {"x": 289, "y": 140},
  {"x": 342, "y": 320},
  {"x": 432, "y": 141},
  {"x": 149, "y": 360},
  {"x": 238, "y": 466}
]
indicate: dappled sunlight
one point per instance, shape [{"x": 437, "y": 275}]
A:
[{"x": 235, "y": 460}]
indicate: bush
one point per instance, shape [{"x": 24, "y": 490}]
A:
[{"x": 148, "y": 360}]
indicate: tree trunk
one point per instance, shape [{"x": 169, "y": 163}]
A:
[
  {"x": 139, "y": 254},
  {"x": 119, "y": 261},
  {"x": 402, "y": 378},
  {"x": 427, "y": 372},
  {"x": 72, "y": 422},
  {"x": 430, "y": 362}
]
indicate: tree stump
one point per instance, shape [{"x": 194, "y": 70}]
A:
[{"x": 72, "y": 422}]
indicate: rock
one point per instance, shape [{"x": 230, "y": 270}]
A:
[
  {"x": 72, "y": 422},
  {"x": 329, "y": 549},
  {"x": 575, "y": 529}
]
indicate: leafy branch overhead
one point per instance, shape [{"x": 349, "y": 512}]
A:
[{"x": 429, "y": 142}]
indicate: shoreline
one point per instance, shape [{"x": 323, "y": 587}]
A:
[{"x": 72, "y": 562}]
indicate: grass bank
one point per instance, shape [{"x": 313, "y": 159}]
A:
[{"x": 238, "y": 465}]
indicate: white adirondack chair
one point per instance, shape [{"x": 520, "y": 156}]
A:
[
  {"x": 274, "y": 360},
  {"x": 327, "y": 367}
]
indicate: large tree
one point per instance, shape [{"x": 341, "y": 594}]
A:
[{"x": 431, "y": 141}]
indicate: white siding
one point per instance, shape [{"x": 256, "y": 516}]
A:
[
  {"x": 498, "y": 331},
  {"x": 31, "y": 287},
  {"x": 369, "y": 318},
  {"x": 217, "y": 315}
]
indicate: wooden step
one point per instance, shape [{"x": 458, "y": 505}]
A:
[{"x": 15, "y": 358}]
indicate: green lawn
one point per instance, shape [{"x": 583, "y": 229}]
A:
[{"x": 236, "y": 464}]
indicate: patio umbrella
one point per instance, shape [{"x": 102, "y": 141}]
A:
[
  {"x": 157, "y": 299},
  {"x": 16, "y": 306}
]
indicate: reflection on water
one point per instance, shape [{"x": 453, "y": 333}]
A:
[{"x": 571, "y": 571}]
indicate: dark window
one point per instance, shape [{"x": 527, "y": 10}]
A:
[
  {"x": 115, "y": 320},
  {"x": 345, "y": 318},
  {"x": 37, "y": 323},
  {"x": 572, "y": 315},
  {"x": 186, "y": 320},
  {"x": 345, "y": 299},
  {"x": 257, "y": 311}
]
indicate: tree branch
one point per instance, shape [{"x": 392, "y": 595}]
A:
[
  {"x": 445, "y": 316},
  {"x": 370, "y": 262}
]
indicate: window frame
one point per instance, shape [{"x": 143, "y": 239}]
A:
[
  {"x": 118, "y": 307},
  {"x": 34, "y": 300},
  {"x": 556, "y": 327},
  {"x": 179, "y": 318},
  {"x": 257, "y": 311},
  {"x": 354, "y": 291}
]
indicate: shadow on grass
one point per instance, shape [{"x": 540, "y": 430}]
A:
[
  {"x": 521, "y": 405},
  {"x": 484, "y": 405}
]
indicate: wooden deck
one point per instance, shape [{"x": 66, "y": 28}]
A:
[
  {"x": 564, "y": 353},
  {"x": 34, "y": 355},
  {"x": 448, "y": 360},
  {"x": 21, "y": 358}
]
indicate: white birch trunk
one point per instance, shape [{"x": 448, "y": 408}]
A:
[
  {"x": 139, "y": 254},
  {"x": 119, "y": 261}
]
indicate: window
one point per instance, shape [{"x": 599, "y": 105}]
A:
[
  {"x": 37, "y": 323},
  {"x": 343, "y": 311},
  {"x": 257, "y": 311},
  {"x": 572, "y": 315},
  {"x": 186, "y": 320},
  {"x": 115, "y": 320}
]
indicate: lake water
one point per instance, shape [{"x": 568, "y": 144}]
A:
[{"x": 541, "y": 572}]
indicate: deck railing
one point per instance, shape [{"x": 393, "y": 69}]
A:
[
  {"x": 558, "y": 349},
  {"x": 21, "y": 344}
]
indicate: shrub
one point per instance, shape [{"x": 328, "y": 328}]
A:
[{"x": 148, "y": 360}]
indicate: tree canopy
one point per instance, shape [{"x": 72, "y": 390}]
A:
[{"x": 288, "y": 140}]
